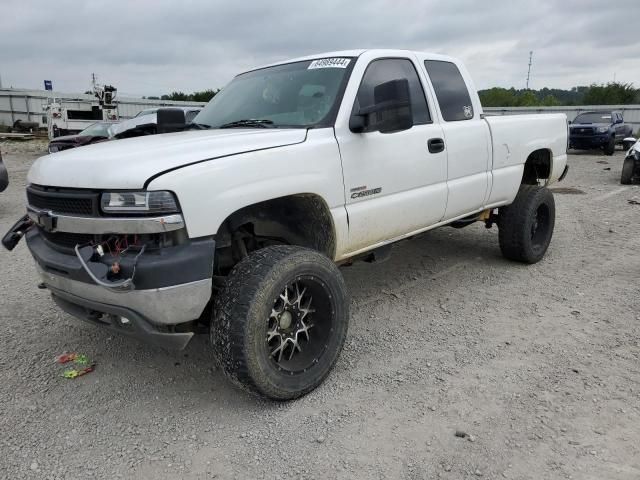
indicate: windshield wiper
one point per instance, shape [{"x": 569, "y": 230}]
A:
[
  {"x": 249, "y": 122},
  {"x": 199, "y": 126}
]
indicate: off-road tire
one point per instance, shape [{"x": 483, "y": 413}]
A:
[
  {"x": 610, "y": 147},
  {"x": 627, "y": 171},
  {"x": 526, "y": 226},
  {"x": 241, "y": 315}
]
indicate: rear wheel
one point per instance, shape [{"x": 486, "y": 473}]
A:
[
  {"x": 610, "y": 147},
  {"x": 526, "y": 226},
  {"x": 280, "y": 321},
  {"x": 627, "y": 171}
]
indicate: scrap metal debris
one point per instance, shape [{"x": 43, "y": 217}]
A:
[{"x": 81, "y": 364}]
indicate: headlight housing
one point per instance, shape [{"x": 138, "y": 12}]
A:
[
  {"x": 603, "y": 129},
  {"x": 141, "y": 202}
]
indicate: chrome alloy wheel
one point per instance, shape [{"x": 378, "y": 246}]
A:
[{"x": 290, "y": 322}]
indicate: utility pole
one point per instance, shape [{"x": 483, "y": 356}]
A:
[{"x": 529, "y": 72}]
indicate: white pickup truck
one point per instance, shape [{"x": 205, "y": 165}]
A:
[{"x": 236, "y": 223}]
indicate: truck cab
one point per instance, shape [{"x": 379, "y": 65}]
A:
[{"x": 237, "y": 222}]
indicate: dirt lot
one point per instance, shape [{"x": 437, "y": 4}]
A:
[{"x": 538, "y": 365}]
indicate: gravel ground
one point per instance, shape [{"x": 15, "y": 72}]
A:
[{"x": 538, "y": 366}]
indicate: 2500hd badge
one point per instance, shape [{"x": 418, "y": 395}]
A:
[{"x": 366, "y": 193}]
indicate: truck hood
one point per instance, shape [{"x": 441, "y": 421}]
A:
[{"x": 129, "y": 163}]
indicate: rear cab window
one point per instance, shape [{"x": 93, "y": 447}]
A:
[{"x": 450, "y": 89}]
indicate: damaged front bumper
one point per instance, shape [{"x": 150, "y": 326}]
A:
[
  {"x": 170, "y": 287},
  {"x": 152, "y": 315}
]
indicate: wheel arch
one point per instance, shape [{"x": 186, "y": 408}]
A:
[
  {"x": 538, "y": 165},
  {"x": 302, "y": 219}
]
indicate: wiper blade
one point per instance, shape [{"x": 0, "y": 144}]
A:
[
  {"x": 249, "y": 122},
  {"x": 199, "y": 126}
]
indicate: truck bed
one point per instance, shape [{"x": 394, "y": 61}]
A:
[{"x": 513, "y": 138}]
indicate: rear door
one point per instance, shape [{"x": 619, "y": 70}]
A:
[
  {"x": 394, "y": 184},
  {"x": 467, "y": 139}
]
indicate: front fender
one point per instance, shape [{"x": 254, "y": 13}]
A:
[{"x": 210, "y": 191}]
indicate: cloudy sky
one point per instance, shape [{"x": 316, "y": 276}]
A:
[{"x": 154, "y": 47}]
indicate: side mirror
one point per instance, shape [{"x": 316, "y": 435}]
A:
[
  {"x": 390, "y": 112},
  {"x": 619, "y": 120},
  {"x": 570, "y": 122},
  {"x": 170, "y": 120}
]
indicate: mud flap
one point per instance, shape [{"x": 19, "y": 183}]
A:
[{"x": 15, "y": 233}]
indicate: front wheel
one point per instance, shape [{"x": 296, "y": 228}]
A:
[
  {"x": 280, "y": 321},
  {"x": 526, "y": 226},
  {"x": 627, "y": 171},
  {"x": 610, "y": 147}
]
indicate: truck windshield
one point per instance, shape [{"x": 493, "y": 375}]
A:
[
  {"x": 300, "y": 94},
  {"x": 593, "y": 117}
]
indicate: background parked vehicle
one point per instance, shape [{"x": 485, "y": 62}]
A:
[
  {"x": 68, "y": 116},
  {"x": 146, "y": 111},
  {"x": 631, "y": 165},
  {"x": 96, "y": 132},
  {"x": 628, "y": 142},
  {"x": 4, "y": 175},
  {"x": 591, "y": 130},
  {"x": 146, "y": 122}
]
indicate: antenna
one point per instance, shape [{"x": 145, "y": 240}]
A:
[
  {"x": 93, "y": 79},
  {"x": 529, "y": 71}
]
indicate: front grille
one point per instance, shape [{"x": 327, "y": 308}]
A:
[
  {"x": 63, "y": 201},
  {"x": 67, "y": 241},
  {"x": 582, "y": 131}
]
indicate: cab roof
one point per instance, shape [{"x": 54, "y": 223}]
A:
[{"x": 355, "y": 53}]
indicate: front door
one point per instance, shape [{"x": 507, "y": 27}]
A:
[{"x": 393, "y": 184}]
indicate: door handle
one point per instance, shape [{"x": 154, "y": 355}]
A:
[{"x": 435, "y": 145}]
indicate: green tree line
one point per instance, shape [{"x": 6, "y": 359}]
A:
[
  {"x": 613, "y": 93},
  {"x": 201, "y": 97}
]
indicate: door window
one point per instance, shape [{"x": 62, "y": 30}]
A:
[
  {"x": 451, "y": 90},
  {"x": 385, "y": 70}
]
